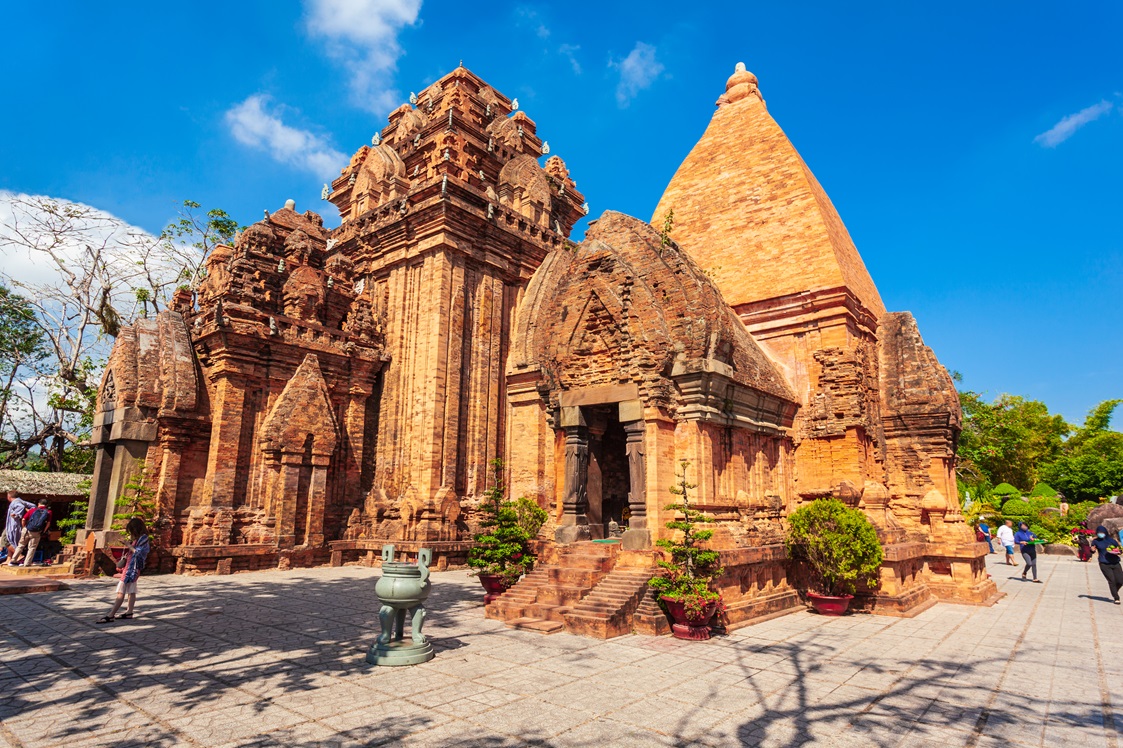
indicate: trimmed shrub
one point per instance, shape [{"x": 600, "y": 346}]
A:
[
  {"x": 1006, "y": 491},
  {"x": 1042, "y": 532},
  {"x": 1043, "y": 489},
  {"x": 1039, "y": 503},
  {"x": 838, "y": 544},
  {"x": 1016, "y": 508}
]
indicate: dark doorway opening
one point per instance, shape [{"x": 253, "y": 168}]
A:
[{"x": 609, "y": 481}]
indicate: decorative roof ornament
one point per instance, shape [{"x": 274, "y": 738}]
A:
[
  {"x": 739, "y": 68},
  {"x": 520, "y": 131},
  {"x": 351, "y": 181},
  {"x": 449, "y": 118},
  {"x": 483, "y": 177},
  {"x": 444, "y": 186},
  {"x": 557, "y": 226},
  {"x": 445, "y": 156},
  {"x": 487, "y": 110},
  {"x": 515, "y": 104},
  {"x": 331, "y": 282},
  {"x": 490, "y": 211},
  {"x": 491, "y": 145},
  {"x": 273, "y": 329},
  {"x": 360, "y": 284},
  {"x": 585, "y": 208},
  {"x": 325, "y": 192},
  {"x": 331, "y": 243},
  {"x": 280, "y": 266},
  {"x": 403, "y": 206},
  {"x": 416, "y": 169},
  {"x": 377, "y": 139},
  {"x": 290, "y": 204},
  {"x": 266, "y": 214},
  {"x": 417, "y": 140},
  {"x": 413, "y": 98},
  {"x": 545, "y": 147}
]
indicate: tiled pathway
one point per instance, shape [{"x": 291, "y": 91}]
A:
[{"x": 276, "y": 659}]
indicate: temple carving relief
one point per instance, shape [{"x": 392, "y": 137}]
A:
[{"x": 321, "y": 392}]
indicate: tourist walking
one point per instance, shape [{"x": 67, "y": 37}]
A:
[
  {"x": 136, "y": 554},
  {"x": 35, "y": 522},
  {"x": 1109, "y": 550},
  {"x": 984, "y": 528},
  {"x": 13, "y": 528},
  {"x": 1027, "y": 541},
  {"x": 1006, "y": 537}
]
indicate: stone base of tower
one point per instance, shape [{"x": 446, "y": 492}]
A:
[{"x": 957, "y": 573}]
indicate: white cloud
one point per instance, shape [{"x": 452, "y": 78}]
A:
[
  {"x": 252, "y": 124},
  {"x": 570, "y": 52},
  {"x": 363, "y": 36},
  {"x": 1065, "y": 129},
  {"x": 637, "y": 71}
]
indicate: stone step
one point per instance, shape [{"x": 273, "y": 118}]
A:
[
  {"x": 562, "y": 594},
  {"x": 608, "y": 610},
  {"x": 537, "y": 625},
  {"x": 576, "y": 577},
  {"x": 27, "y": 584}
]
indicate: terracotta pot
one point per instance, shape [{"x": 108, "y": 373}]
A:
[
  {"x": 830, "y": 605},
  {"x": 494, "y": 586},
  {"x": 691, "y": 627}
]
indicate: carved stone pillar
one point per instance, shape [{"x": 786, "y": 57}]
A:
[
  {"x": 575, "y": 500},
  {"x": 637, "y": 535}
]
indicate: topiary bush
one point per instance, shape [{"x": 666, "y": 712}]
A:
[
  {"x": 1016, "y": 509},
  {"x": 1005, "y": 491},
  {"x": 1043, "y": 489},
  {"x": 838, "y": 545}
]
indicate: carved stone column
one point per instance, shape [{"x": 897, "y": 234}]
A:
[
  {"x": 637, "y": 535},
  {"x": 575, "y": 500}
]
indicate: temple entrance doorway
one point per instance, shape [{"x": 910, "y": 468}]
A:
[{"x": 609, "y": 483}]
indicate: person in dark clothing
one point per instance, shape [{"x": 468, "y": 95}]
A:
[
  {"x": 1109, "y": 551},
  {"x": 1027, "y": 541}
]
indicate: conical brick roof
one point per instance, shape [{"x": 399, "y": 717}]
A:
[{"x": 751, "y": 213}]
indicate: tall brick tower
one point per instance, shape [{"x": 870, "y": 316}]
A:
[{"x": 446, "y": 216}]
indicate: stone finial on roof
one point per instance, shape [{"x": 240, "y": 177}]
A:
[
  {"x": 290, "y": 204},
  {"x": 740, "y": 85}
]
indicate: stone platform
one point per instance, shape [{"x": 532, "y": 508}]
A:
[{"x": 277, "y": 659}]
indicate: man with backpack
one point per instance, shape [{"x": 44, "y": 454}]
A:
[{"x": 35, "y": 522}]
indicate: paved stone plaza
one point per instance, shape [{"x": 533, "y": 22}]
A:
[{"x": 276, "y": 658}]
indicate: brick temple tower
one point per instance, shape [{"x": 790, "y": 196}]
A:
[{"x": 446, "y": 216}]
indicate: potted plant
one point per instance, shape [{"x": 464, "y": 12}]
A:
[
  {"x": 683, "y": 585},
  {"x": 838, "y": 546},
  {"x": 501, "y": 554}
]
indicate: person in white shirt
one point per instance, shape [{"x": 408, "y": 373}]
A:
[{"x": 1006, "y": 537}]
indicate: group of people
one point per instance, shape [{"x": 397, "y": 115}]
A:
[
  {"x": 1106, "y": 547},
  {"x": 25, "y": 527},
  {"x": 28, "y": 522}
]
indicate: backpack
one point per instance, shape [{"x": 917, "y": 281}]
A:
[{"x": 37, "y": 522}]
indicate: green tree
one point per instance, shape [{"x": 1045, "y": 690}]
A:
[
  {"x": 838, "y": 544},
  {"x": 502, "y": 548},
  {"x": 687, "y": 575},
  {"x": 22, "y": 351},
  {"x": 1091, "y": 464},
  {"x": 1006, "y": 441}
]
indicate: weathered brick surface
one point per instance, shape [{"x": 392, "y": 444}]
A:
[{"x": 352, "y": 386}]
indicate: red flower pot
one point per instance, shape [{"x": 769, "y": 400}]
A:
[
  {"x": 830, "y": 605},
  {"x": 494, "y": 586},
  {"x": 694, "y": 627}
]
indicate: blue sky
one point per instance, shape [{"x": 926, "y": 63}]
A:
[{"x": 974, "y": 150}]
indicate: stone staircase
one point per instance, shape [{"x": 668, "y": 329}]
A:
[{"x": 580, "y": 592}]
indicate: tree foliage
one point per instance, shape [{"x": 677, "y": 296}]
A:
[
  {"x": 502, "y": 548},
  {"x": 83, "y": 275},
  {"x": 1006, "y": 441},
  {"x": 1091, "y": 464},
  {"x": 686, "y": 575},
  {"x": 838, "y": 544}
]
